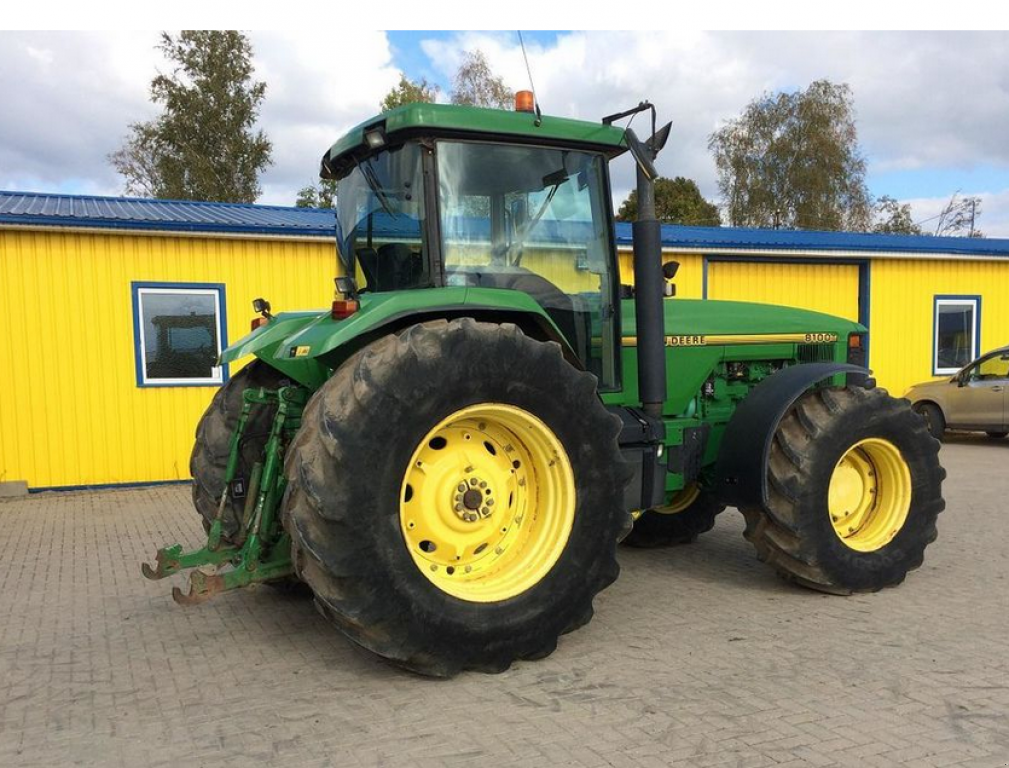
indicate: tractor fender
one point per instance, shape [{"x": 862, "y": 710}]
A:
[
  {"x": 332, "y": 341},
  {"x": 741, "y": 468}
]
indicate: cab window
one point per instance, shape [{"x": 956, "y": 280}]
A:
[{"x": 534, "y": 219}]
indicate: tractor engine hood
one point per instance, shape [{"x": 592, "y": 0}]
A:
[{"x": 707, "y": 317}]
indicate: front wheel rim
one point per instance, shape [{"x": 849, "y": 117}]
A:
[
  {"x": 682, "y": 500},
  {"x": 869, "y": 496},
  {"x": 487, "y": 502}
]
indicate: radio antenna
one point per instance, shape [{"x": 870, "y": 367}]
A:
[{"x": 529, "y": 72}]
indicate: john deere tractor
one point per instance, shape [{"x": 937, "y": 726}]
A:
[{"x": 449, "y": 455}]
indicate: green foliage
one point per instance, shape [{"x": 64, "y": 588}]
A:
[
  {"x": 203, "y": 145},
  {"x": 319, "y": 195},
  {"x": 792, "y": 160},
  {"x": 409, "y": 92},
  {"x": 677, "y": 201},
  {"x": 475, "y": 85},
  {"x": 894, "y": 218}
]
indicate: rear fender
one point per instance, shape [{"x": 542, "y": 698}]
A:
[
  {"x": 331, "y": 341},
  {"x": 741, "y": 468},
  {"x": 308, "y": 346}
]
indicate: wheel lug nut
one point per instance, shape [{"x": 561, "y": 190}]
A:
[
  {"x": 473, "y": 481},
  {"x": 462, "y": 487},
  {"x": 483, "y": 484},
  {"x": 490, "y": 502}
]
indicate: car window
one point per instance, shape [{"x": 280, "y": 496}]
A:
[{"x": 995, "y": 367}]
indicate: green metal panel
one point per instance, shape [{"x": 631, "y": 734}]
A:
[
  {"x": 451, "y": 119},
  {"x": 323, "y": 335},
  {"x": 299, "y": 343},
  {"x": 695, "y": 317}
]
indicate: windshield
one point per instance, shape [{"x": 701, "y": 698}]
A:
[
  {"x": 534, "y": 219},
  {"x": 380, "y": 221}
]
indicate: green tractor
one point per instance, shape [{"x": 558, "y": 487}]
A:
[{"x": 449, "y": 455}]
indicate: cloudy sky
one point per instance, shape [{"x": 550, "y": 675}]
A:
[{"x": 932, "y": 107}]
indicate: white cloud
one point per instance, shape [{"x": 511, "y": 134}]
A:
[
  {"x": 318, "y": 86},
  {"x": 924, "y": 100},
  {"x": 68, "y": 99}
]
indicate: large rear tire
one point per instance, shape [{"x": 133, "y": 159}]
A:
[
  {"x": 854, "y": 490},
  {"x": 689, "y": 513},
  {"x": 209, "y": 459},
  {"x": 455, "y": 497}
]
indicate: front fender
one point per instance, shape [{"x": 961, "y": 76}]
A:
[
  {"x": 741, "y": 468},
  {"x": 267, "y": 339}
]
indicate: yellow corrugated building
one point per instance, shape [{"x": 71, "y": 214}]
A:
[{"x": 91, "y": 288}]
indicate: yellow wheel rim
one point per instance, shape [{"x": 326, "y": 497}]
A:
[
  {"x": 487, "y": 502},
  {"x": 680, "y": 501},
  {"x": 869, "y": 495}
]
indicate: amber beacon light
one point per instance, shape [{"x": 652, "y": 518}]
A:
[{"x": 524, "y": 101}]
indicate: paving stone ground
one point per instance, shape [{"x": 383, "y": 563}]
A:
[{"x": 697, "y": 656}]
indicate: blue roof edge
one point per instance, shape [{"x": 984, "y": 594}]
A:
[
  {"x": 165, "y": 226},
  {"x": 291, "y": 221}
]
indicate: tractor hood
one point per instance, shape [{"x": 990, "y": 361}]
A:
[{"x": 741, "y": 321}]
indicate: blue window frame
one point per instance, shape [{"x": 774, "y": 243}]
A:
[
  {"x": 179, "y": 330},
  {"x": 956, "y": 332}
]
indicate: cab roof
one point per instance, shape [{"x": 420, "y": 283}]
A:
[{"x": 455, "y": 120}]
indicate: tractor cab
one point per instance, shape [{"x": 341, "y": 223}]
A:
[{"x": 421, "y": 204}]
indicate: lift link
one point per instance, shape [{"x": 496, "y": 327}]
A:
[{"x": 260, "y": 550}]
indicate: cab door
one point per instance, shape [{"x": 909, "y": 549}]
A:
[{"x": 980, "y": 398}]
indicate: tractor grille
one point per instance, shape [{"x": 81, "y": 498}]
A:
[{"x": 815, "y": 353}]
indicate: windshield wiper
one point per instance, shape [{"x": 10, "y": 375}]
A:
[
  {"x": 528, "y": 226},
  {"x": 376, "y": 186}
]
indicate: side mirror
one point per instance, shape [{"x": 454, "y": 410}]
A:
[
  {"x": 347, "y": 286},
  {"x": 641, "y": 155},
  {"x": 261, "y": 307},
  {"x": 669, "y": 270}
]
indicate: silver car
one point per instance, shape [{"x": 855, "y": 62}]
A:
[{"x": 974, "y": 399}]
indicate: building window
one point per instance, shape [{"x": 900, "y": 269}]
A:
[
  {"x": 956, "y": 333},
  {"x": 179, "y": 331}
]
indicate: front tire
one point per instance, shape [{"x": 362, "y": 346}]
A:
[
  {"x": 854, "y": 489},
  {"x": 378, "y": 505},
  {"x": 689, "y": 513},
  {"x": 209, "y": 459}
]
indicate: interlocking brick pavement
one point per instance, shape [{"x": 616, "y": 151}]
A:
[{"x": 697, "y": 656}]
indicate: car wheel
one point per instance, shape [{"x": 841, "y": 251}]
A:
[{"x": 934, "y": 419}]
